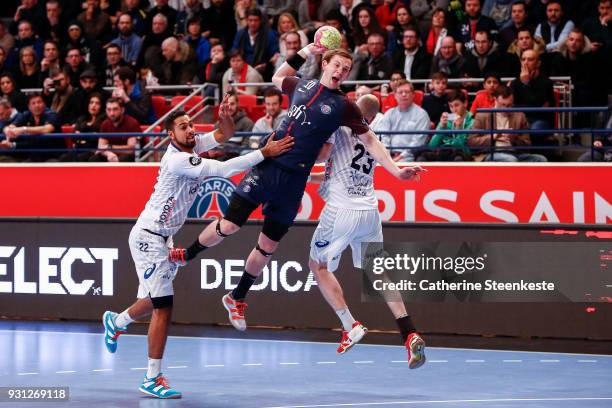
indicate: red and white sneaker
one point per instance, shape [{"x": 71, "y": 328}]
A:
[
  {"x": 416, "y": 350},
  {"x": 235, "y": 310},
  {"x": 352, "y": 337},
  {"x": 177, "y": 256}
]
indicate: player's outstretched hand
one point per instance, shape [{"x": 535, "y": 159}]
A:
[
  {"x": 315, "y": 49},
  {"x": 224, "y": 107},
  {"x": 410, "y": 173},
  {"x": 275, "y": 148},
  {"x": 226, "y": 123}
]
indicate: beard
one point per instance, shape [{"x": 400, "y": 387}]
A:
[{"x": 186, "y": 145}]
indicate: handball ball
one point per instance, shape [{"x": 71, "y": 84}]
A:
[{"x": 328, "y": 37}]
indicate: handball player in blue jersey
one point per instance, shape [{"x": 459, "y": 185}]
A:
[{"x": 317, "y": 109}]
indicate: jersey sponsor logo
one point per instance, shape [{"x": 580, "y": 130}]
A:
[
  {"x": 325, "y": 109},
  {"x": 167, "y": 210},
  {"x": 149, "y": 271},
  {"x": 195, "y": 160},
  {"x": 213, "y": 198},
  {"x": 298, "y": 112},
  {"x": 322, "y": 243},
  {"x": 58, "y": 270}
]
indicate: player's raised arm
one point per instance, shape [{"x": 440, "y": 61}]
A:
[
  {"x": 222, "y": 134},
  {"x": 325, "y": 152},
  {"x": 317, "y": 178},
  {"x": 226, "y": 128},
  {"x": 293, "y": 63},
  {"x": 380, "y": 153}
]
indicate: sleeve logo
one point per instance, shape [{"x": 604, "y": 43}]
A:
[{"x": 195, "y": 160}]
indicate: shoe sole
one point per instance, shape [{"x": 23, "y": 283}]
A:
[
  {"x": 418, "y": 348},
  {"x": 229, "y": 315},
  {"x": 159, "y": 397},
  {"x": 104, "y": 316},
  {"x": 355, "y": 341}
]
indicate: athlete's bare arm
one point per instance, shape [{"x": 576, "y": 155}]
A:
[
  {"x": 382, "y": 156},
  {"x": 317, "y": 178},
  {"x": 286, "y": 70},
  {"x": 325, "y": 152}
]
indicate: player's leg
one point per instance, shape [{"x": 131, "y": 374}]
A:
[
  {"x": 237, "y": 214},
  {"x": 143, "y": 247},
  {"x": 330, "y": 289},
  {"x": 155, "y": 294},
  {"x": 159, "y": 284},
  {"x": 352, "y": 330},
  {"x": 116, "y": 324},
  {"x": 267, "y": 243},
  {"x": 332, "y": 236},
  {"x": 154, "y": 383},
  {"x": 410, "y": 338},
  {"x": 281, "y": 192}
]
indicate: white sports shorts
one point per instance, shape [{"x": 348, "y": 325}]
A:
[
  {"x": 155, "y": 272},
  {"x": 339, "y": 228}
]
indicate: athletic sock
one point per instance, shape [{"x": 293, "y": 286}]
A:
[
  {"x": 246, "y": 281},
  {"x": 154, "y": 368},
  {"x": 406, "y": 326},
  {"x": 346, "y": 318},
  {"x": 194, "y": 250},
  {"x": 123, "y": 319}
]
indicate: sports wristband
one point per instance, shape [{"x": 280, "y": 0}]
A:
[
  {"x": 296, "y": 61},
  {"x": 307, "y": 52}
]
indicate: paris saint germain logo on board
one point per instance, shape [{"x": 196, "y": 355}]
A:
[{"x": 212, "y": 198}]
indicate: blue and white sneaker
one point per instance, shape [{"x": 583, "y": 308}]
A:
[
  {"x": 158, "y": 387},
  {"x": 111, "y": 332}
]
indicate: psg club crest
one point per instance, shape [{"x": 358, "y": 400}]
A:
[
  {"x": 212, "y": 198},
  {"x": 325, "y": 109}
]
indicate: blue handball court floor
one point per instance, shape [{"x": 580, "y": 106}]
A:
[{"x": 241, "y": 371}]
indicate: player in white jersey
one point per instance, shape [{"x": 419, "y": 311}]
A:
[
  {"x": 351, "y": 217},
  {"x": 181, "y": 173}
]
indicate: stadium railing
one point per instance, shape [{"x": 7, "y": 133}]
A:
[
  {"x": 153, "y": 149},
  {"x": 562, "y": 86}
]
